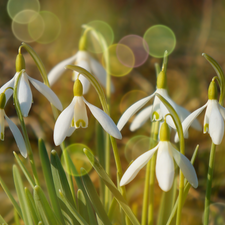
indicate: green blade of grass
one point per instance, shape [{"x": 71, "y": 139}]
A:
[
  {"x": 108, "y": 182},
  {"x": 46, "y": 167},
  {"x": 47, "y": 215},
  {"x": 2, "y": 221},
  {"x": 25, "y": 172},
  {"x": 82, "y": 205},
  {"x": 21, "y": 195}
]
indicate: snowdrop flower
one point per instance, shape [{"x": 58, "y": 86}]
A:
[
  {"x": 15, "y": 131},
  {"x": 83, "y": 59},
  {"x": 156, "y": 111},
  {"x": 164, "y": 163},
  {"x": 214, "y": 117},
  {"x": 24, "y": 92},
  {"x": 75, "y": 116}
]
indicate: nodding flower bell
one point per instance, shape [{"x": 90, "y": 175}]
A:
[
  {"x": 75, "y": 116},
  {"x": 164, "y": 163},
  {"x": 214, "y": 116},
  {"x": 24, "y": 92},
  {"x": 15, "y": 131},
  {"x": 157, "y": 111}
]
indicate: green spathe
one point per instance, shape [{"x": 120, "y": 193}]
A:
[
  {"x": 212, "y": 91},
  {"x": 165, "y": 132},
  {"x": 77, "y": 88},
  {"x": 162, "y": 80},
  {"x": 20, "y": 63}
]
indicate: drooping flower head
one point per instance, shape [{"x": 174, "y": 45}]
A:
[
  {"x": 24, "y": 93},
  {"x": 14, "y": 129},
  {"x": 213, "y": 119},
  {"x": 156, "y": 111},
  {"x": 75, "y": 116},
  {"x": 164, "y": 164}
]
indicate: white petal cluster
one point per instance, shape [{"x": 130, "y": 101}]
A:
[
  {"x": 86, "y": 61},
  {"x": 25, "y": 95}
]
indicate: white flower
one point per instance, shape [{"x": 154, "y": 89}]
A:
[
  {"x": 84, "y": 60},
  {"x": 15, "y": 131},
  {"x": 25, "y": 95},
  {"x": 75, "y": 116},
  {"x": 157, "y": 111},
  {"x": 213, "y": 120},
  {"x": 164, "y": 164}
]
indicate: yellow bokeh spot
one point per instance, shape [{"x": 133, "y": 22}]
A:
[
  {"x": 79, "y": 159},
  {"x": 16, "y": 6},
  {"x": 118, "y": 60},
  {"x": 159, "y": 39},
  {"x": 99, "y": 36}
]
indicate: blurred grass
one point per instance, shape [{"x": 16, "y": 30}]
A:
[{"x": 198, "y": 26}]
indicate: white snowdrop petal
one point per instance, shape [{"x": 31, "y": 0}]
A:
[
  {"x": 58, "y": 70},
  {"x": 106, "y": 122},
  {"x": 216, "y": 125},
  {"x": 47, "y": 92},
  {"x": 188, "y": 121},
  {"x": 136, "y": 166},
  {"x": 141, "y": 118},
  {"x": 24, "y": 95},
  {"x": 207, "y": 115},
  {"x": 222, "y": 111},
  {"x": 99, "y": 72},
  {"x": 63, "y": 123},
  {"x": 9, "y": 92},
  {"x": 132, "y": 110},
  {"x": 164, "y": 167},
  {"x": 18, "y": 137},
  {"x": 185, "y": 166}
]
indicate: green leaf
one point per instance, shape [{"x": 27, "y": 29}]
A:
[
  {"x": 25, "y": 172},
  {"x": 114, "y": 212},
  {"x": 16, "y": 218},
  {"x": 82, "y": 205},
  {"x": 46, "y": 167},
  {"x": 75, "y": 213},
  {"x": 2, "y": 221},
  {"x": 33, "y": 210},
  {"x": 21, "y": 195},
  {"x": 93, "y": 196},
  {"x": 8, "y": 193},
  {"x": 47, "y": 215},
  {"x": 108, "y": 182}
]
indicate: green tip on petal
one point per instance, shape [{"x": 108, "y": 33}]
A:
[
  {"x": 212, "y": 91},
  {"x": 77, "y": 88},
  {"x": 2, "y": 100},
  {"x": 206, "y": 127},
  {"x": 155, "y": 115},
  {"x": 20, "y": 63},
  {"x": 162, "y": 80},
  {"x": 80, "y": 123},
  {"x": 2, "y": 136},
  {"x": 165, "y": 132}
]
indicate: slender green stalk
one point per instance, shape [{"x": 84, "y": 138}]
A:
[
  {"x": 24, "y": 130},
  {"x": 209, "y": 183}
]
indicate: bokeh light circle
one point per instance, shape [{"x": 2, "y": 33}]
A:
[
  {"x": 114, "y": 55},
  {"x": 52, "y": 27},
  {"x": 25, "y": 16},
  {"x": 102, "y": 31},
  {"x": 159, "y": 39},
  {"x": 79, "y": 159},
  {"x": 136, "y": 146},
  {"x": 216, "y": 214},
  {"x": 16, "y": 6},
  {"x": 22, "y": 31},
  {"x": 130, "y": 98},
  {"x": 138, "y": 46}
]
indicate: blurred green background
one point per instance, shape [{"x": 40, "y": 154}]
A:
[{"x": 198, "y": 27}]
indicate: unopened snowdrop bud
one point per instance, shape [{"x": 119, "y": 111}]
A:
[
  {"x": 77, "y": 88},
  {"x": 165, "y": 132},
  {"x": 162, "y": 80},
  {"x": 212, "y": 91},
  {"x": 20, "y": 63},
  {"x": 2, "y": 100}
]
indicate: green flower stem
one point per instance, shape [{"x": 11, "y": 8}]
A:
[
  {"x": 24, "y": 130},
  {"x": 179, "y": 128},
  {"x": 43, "y": 73},
  {"x": 165, "y": 61},
  {"x": 103, "y": 101},
  {"x": 209, "y": 183},
  {"x": 147, "y": 189}
]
